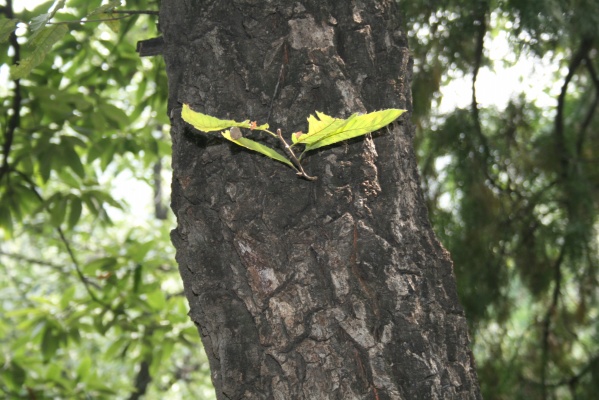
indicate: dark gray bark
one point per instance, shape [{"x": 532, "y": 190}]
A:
[{"x": 333, "y": 289}]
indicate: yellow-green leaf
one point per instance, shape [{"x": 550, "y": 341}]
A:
[
  {"x": 206, "y": 123},
  {"x": 260, "y": 148},
  {"x": 263, "y": 127},
  {"x": 320, "y": 127},
  {"x": 326, "y": 130}
]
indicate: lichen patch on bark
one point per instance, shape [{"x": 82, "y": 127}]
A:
[{"x": 306, "y": 33}]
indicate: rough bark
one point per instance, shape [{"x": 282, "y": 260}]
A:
[{"x": 333, "y": 289}]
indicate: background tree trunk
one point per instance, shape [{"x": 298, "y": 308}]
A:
[{"x": 333, "y": 289}]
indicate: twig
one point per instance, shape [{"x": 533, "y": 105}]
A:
[
  {"x": 30, "y": 260},
  {"x": 274, "y": 95},
  {"x": 291, "y": 154},
  {"x": 82, "y": 277},
  {"x": 134, "y": 12},
  {"x": 279, "y": 80},
  {"x": 83, "y": 21},
  {"x": 127, "y": 14}
]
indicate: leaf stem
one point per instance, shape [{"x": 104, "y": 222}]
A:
[
  {"x": 291, "y": 154},
  {"x": 269, "y": 132}
]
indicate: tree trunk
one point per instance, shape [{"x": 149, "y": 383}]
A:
[{"x": 331, "y": 289}]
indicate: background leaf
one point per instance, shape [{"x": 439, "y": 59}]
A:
[
  {"x": 42, "y": 43},
  {"x": 7, "y": 26},
  {"x": 39, "y": 21}
]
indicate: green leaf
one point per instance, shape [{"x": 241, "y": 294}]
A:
[
  {"x": 111, "y": 5},
  {"x": 6, "y": 223},
  {"x": 115, "y": 116},
  {"x": 156, "y": 299},
  {"x": 138, "y": 252},
  {"x": 101, "y": 264},
  {"x": 67, "y": 296},
  {"x": 53, "y": 372},
  {"x": 96, "y": 150},
  {"x": 116, "y": 348},
  {"x": 67, "y": 176},
  {"x": 260, "y": 148},
  {"x": 7, "y": 26},
  {"x": 14, "y": 375},
  {"x": 110, "y": 22},
  {"x": 71, "y": 159},
  {"x": 75, "y": 208},
  {"x": 58, "y": 211},
  {"x": 137, "y": 278},
  {"x": 45, "y": 164},
  {"x": 326, "y": 130},
  {"x": 50, "y": 342},
  {"x": 206, "y": 123},
  {"x": 84, "y": 368},
  {"x": 39, "y": 21},
  {"x": 108, "y": 154},
  {"x": 75, "y": 335},
  {"x": 42, "y": 43},
  {"x": 28, "y": 200}
]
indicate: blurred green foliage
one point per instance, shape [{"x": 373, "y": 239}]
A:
[
  {"x": 92, "y": 302},
  {"x": 514, "y": 192}
]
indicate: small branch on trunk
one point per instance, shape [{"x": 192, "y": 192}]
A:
[{"x": 291, "y": 154}]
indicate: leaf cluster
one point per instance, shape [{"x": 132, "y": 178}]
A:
[{"x": 323, "y": 130}]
